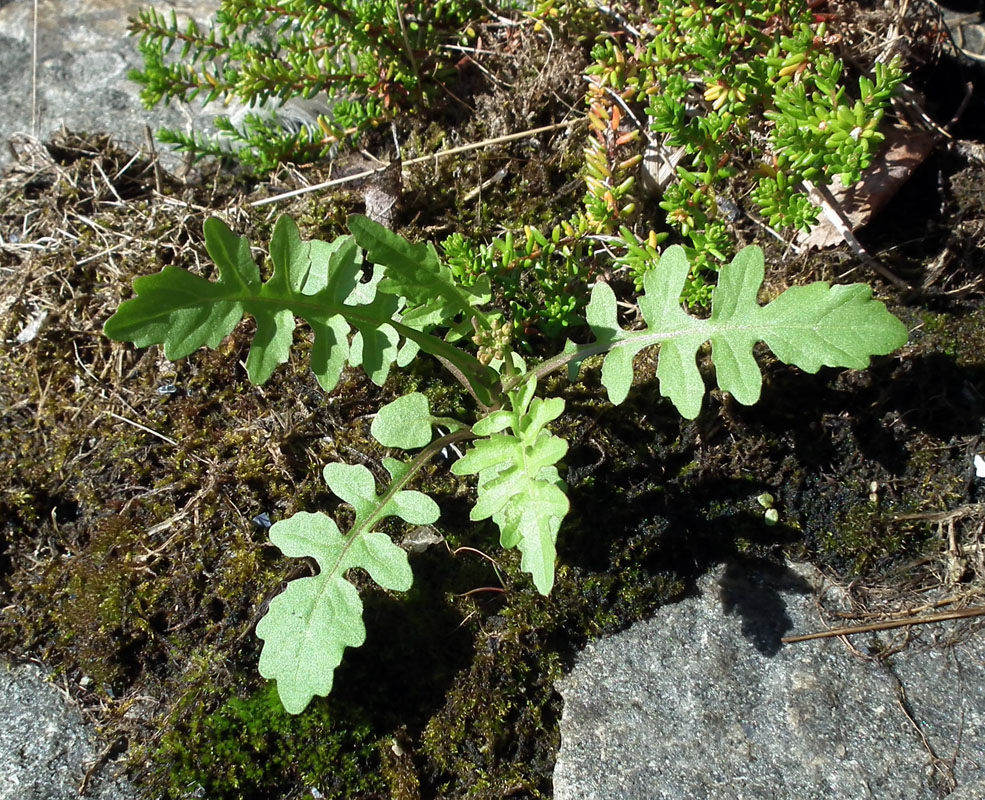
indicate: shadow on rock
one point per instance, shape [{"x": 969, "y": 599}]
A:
[{"x": 753, "y": 589}]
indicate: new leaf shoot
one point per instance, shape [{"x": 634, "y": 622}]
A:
[{"x": 519, "y": 485}]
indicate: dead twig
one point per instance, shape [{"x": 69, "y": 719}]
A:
[
  {"x": 963, "y": 613},
  {"x": 512, "y": 137},
  {"x": 835, "y": 214},
  {"x": 152, "y": 152}
]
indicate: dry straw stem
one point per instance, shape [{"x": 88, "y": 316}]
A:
[
  {"x": 420, "y": 160},
  {"x": 963, "y": 613},
  {"x": 836, "y": 215}
]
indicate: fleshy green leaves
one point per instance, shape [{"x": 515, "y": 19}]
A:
[
  {"x": 519, "y": 486},
  {"x": 807, "y": 326},
  {"x": 309, "y": 625}
]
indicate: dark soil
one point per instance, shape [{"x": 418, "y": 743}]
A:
[{"x": 133, "y": 555}]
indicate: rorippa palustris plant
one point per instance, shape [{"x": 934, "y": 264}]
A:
[{"x": 373, "y": 300}]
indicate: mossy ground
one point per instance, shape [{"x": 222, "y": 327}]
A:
[{"x": 132, "y": 542}]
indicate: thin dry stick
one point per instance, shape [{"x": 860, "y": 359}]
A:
[
  {"x": 420, "y": 160},
  {"x": 152, "y": 151},
  {"x": 144, "y": 428},
  {"x": 841, "y": 223},
  {"x": 477, "y": 191},
  {"x": 964, "y": 613},
  {"x": 410, "y": 50},
  {"x": 940, "y": 764},
  {"x": 101, "y": 759},
  {"x": 945, "y": 516}
]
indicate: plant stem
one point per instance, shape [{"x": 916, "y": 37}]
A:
[
  {"x": 545, "y": 368},
  {"x": 416, "y": 465}
]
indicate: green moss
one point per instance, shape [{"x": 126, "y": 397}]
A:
[
  {"x": 959, "y": 336},
  {"x": 250, "y": 745},
  {"x": 398, "y": 769},
  {"x": 94, "y": 601},
  {"x": 496, "y": 734},
  {"x": 942, "y": 481},
  {"x": 868, "y": 536}
]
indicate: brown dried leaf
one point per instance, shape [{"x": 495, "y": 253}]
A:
[{"x": 902, "y": 152}]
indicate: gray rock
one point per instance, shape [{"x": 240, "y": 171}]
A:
[
  {"x": 702, "y": 701},
  {"x": 46, "y": 748},
  {"x": 83, "y": 57}
]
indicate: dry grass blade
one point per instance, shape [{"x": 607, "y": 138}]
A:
[
  {"x": 888, "y": 625},
  {"x": 434, "y": 157}
]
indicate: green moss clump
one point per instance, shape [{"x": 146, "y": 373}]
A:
[
  {"x": 249, "y": 746},
  {"x": 497, "y": 733},
  {"x": 958, "y": 336},
  {"x": 868, "y": 537},
  {"x": 100, "y": 610}
]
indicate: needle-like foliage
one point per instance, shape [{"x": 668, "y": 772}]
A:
[{"x": 341, "y": 66}]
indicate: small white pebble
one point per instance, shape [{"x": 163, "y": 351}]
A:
[{"x": 979, "y": 466}]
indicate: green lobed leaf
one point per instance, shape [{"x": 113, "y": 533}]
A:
[
  {"x": 183, "y": 311},
  {"x": 314, "y": 281},
  {"x": 415, "y": 272},
  {"x": 532, "y": 527},
  {"x": 334, "y": 266},
  {"x": 308, "y": 626},
  {"x": 405, "y": 423},
  {"x": 355, "y": 484},
  {"x": 518, "y": 483},
  {"x": 493, "y": 423},
  {"x": 807, "y": 326}
]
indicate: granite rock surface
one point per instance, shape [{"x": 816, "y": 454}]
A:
[
  {"x": 78, "y": 78},
  {"x": 703, "y": 701},
  {"x": 46, "y": 748}
]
